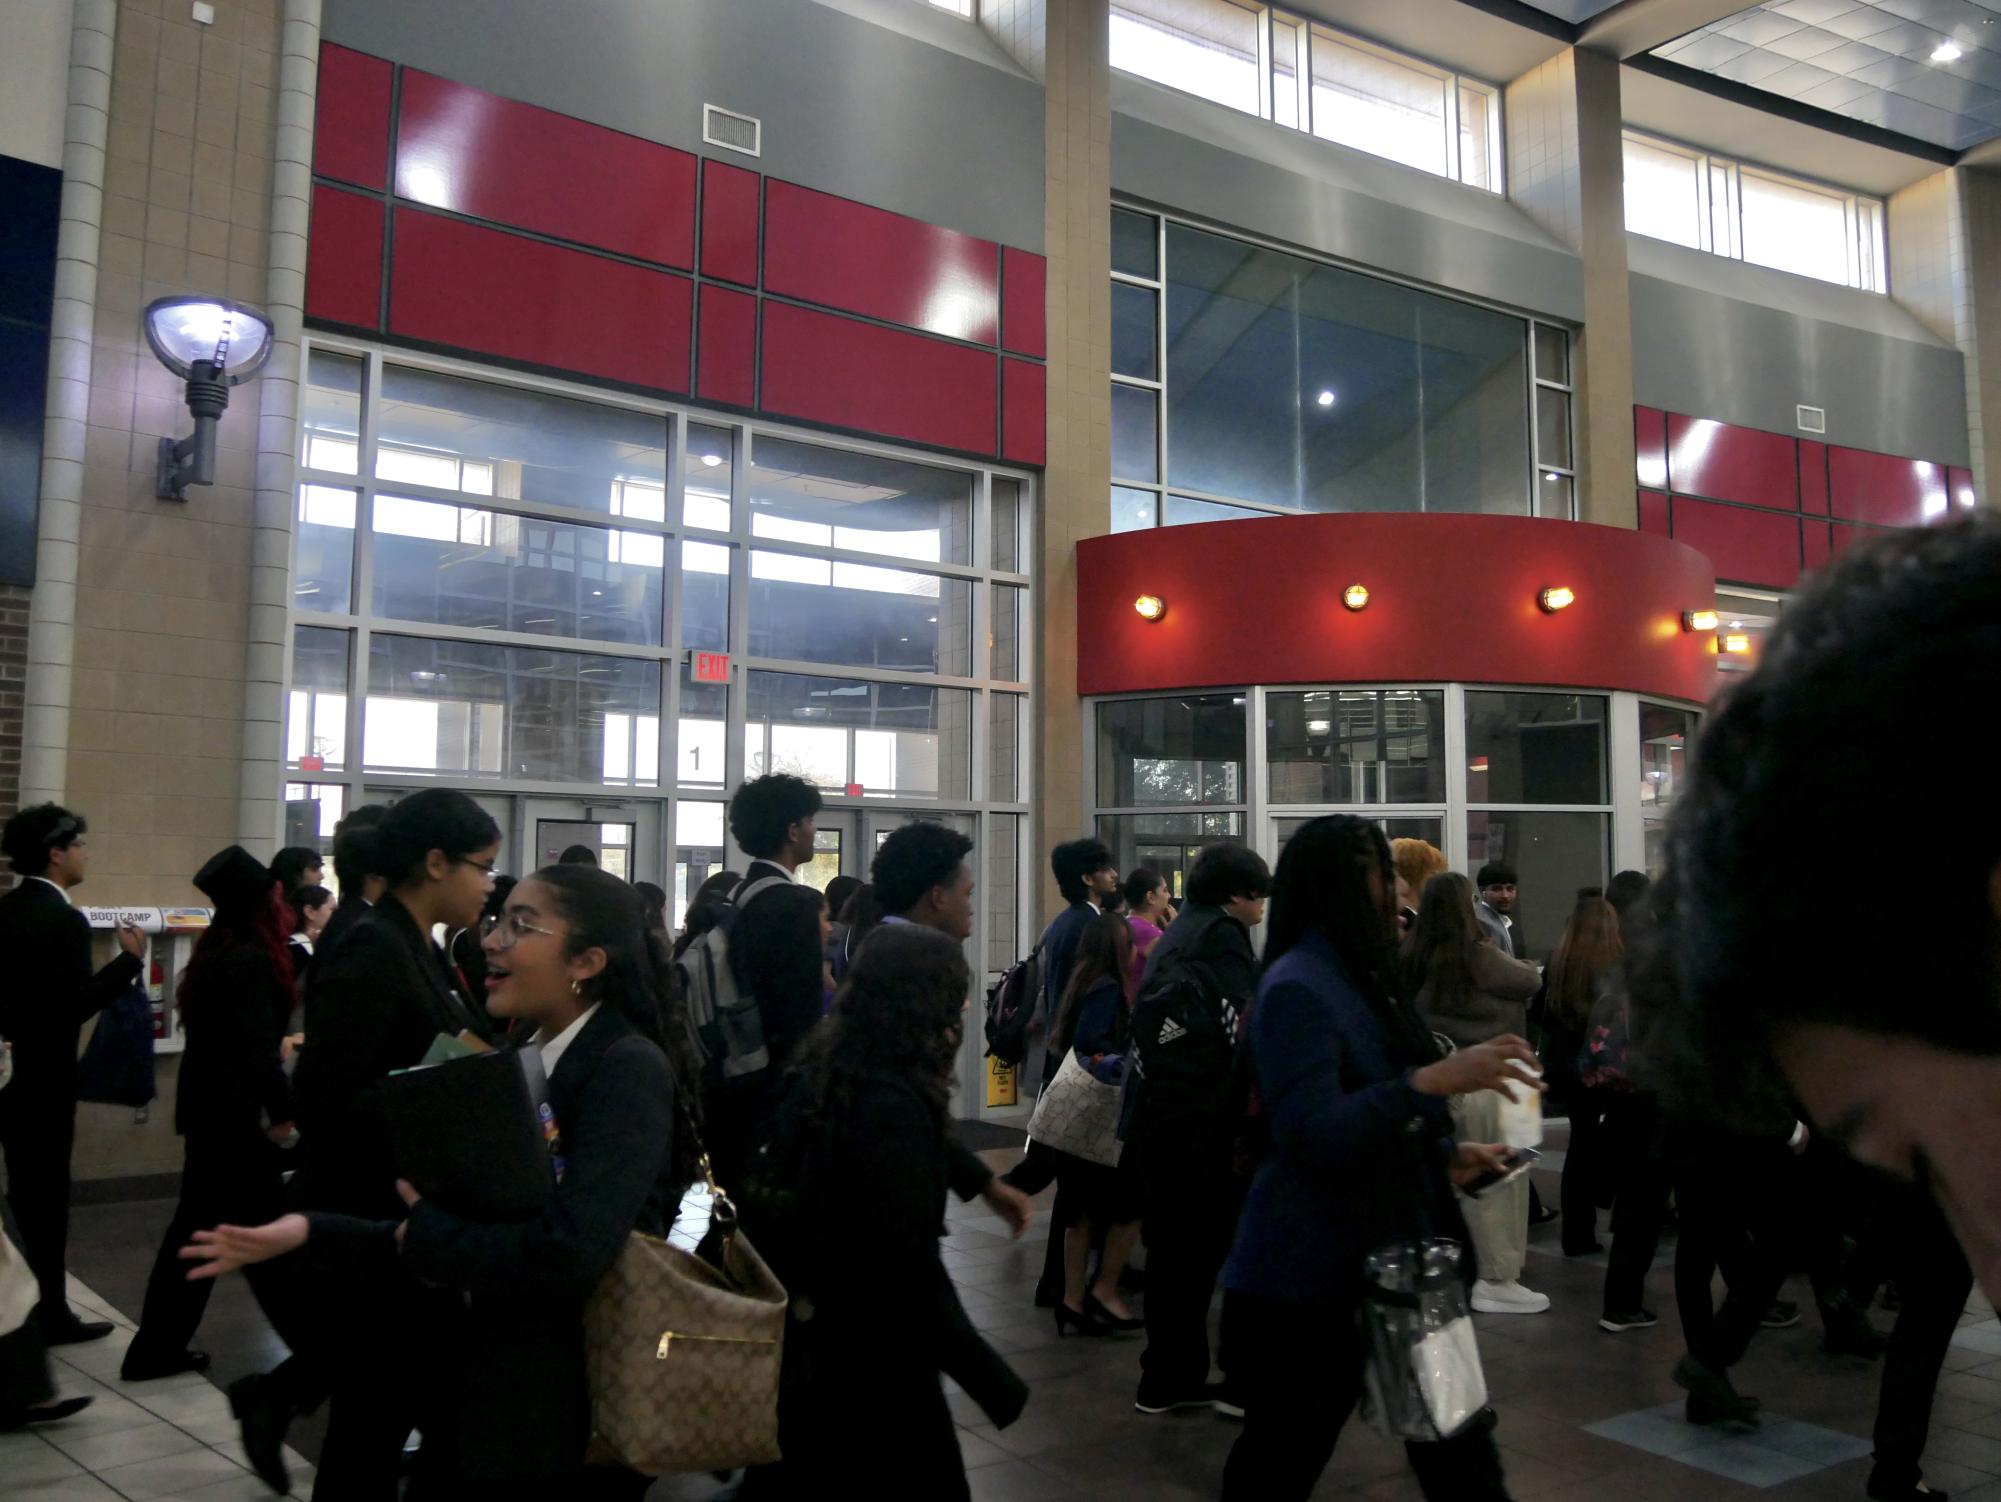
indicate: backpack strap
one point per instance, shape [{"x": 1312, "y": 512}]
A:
[{"x": 742, "y": 895}]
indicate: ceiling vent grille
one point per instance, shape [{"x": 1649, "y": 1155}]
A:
[
  {"x": 731, "y": 131},
  {"x": 1812, "y": 419}
]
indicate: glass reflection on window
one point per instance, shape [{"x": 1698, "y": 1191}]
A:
[{"x": 1181, "y": 749}]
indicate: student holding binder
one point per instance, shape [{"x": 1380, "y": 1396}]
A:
[{"x": 571, "y": 960}]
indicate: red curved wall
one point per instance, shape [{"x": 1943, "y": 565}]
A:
[{"x": 1451, "y": 598}]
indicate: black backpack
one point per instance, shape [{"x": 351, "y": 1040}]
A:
[
  {"x": 1011, "y": 1004},
  {"x": 1184, "y": 1049}
]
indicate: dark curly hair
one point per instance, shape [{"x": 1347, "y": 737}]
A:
[
  {"x": 766, "y": 807},
  {"x": 1827, "y": 735},
  {"x": 602, "y": 912},
  {"x": 901, "y": 1011},
  {"x": 921, "y": 855},
  {"x": 34, "y": 832}
]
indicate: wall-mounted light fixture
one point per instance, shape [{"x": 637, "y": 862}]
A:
[
  {"x": 1557, "y": 597},
  {"x": 1150, "y": 607},
  {"x": 1736, "y": 644},
  {"x": 212, "y": 344},
  {"x": 1698, "y": 620},
  {"x": 1355, "y": 596}
]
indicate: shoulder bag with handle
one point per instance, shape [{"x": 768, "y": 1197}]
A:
[
  {"x": 1078, "y": 1114},
  {"x": 683, "y": 1349}
]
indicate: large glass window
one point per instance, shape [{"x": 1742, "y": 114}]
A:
[
  {"x": 1666, "y": 733},
  {"x": 1535, "y": 748},
  {"x": 1356, "y": 746},
  {"x": 316, "y": 712},
  {"x": 1253, "y": 58},
  {"x": 1184, "y": 749},
  {"x": 1303, "y": 386},
  {"x": 880, "y": 740},
  {"x": 864, "y": 503},
  {"x": 1554, "y": 855},
  {"x": 1167, "y": 843},
  {"x": 1749, "y": 213}
]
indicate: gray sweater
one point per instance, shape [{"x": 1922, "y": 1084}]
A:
[{"x": 1499, "y": 1003}]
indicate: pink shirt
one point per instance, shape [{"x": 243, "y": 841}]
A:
[{"x": 1145, "y": 936}]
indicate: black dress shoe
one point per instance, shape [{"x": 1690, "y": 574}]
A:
[
  {"x": 50, "y": 1413},
  {"x": 71, "y": 1331},
  {"x": 265, "y": 1416},
  {"x": 1105, "y": 1317},
  {"x": 1914, "y": 1491},
  {"x": 137, "y": 1368}
]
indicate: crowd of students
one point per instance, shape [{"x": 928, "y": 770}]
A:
[{"x": 1283, "y": 1111}]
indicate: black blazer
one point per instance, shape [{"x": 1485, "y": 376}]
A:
[
  {"x": 517, "y": 1363},
  {"x": 235, "y": 1021},
  {"x": 776, "y": 954},
  {"x": 377, "y": 1001},
  {"x": 894, "y": 1166},
  {"x": 49, "y": 992}
]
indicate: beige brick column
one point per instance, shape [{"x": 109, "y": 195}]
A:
[
  {"x": 1945, "y": 266},
  {"x": 1566, "y": 170},
  {"x": 163, "y": 587},
  {"x": 1076, "y": 485}
]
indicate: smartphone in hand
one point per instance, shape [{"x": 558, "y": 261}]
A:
[{"x": 1516, "y": 1162}]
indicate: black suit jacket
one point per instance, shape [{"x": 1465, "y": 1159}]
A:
[
  {"x": 516, "y": 1367},
  {"x": 776, "y": 954},
  {"x": 47, "y": 994},
  {"x": 376, "y": 1002},
  {"x": 234, "y": 1018}
]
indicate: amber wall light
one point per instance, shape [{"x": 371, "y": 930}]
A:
[
  {"x": 1557, "y": 597},
  {"x": 1698, "y": 620},
  {"x": 1150, "y": 607},
  {"x": 1355, "y": 596}
]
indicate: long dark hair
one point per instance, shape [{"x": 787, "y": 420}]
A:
[
  {"x": 637, "y": 982},
  {"x": 1590, "y": 946},
  {"x": 1439, "y": 951},
  {"x": 435, "y": 819},
  {"x": 1104, "y": 952},
  {"x": 262, "y": 928},
  {"x": 901, "y": 1012},
  {"x": 1322, "y": 887}
]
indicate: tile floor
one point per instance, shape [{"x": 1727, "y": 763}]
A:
[{"x": 1585, "y": 1416}]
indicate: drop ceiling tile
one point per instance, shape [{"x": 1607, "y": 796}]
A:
[
  {"x": 1807, "y": 42},
  {"x": 1754, "y": 67},
  {"x": 1850, "y": 57},
  {"x": 1835, "y": 95},
  {"x": 1758, "y": 27},
  {"x": 1922, "y": 120},
  {"x": 1865, "y": 21},
  {"x": 1959, "y": 95},
  {"x": 1889, "y": 73},
  {"x": 1908, "y": 39},
  {"x": 1707, "y": 52},
  {"x": 1813, "y": 12},
  {"x": 1796, "y": 80}
]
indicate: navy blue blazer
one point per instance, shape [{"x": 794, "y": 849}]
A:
[{"x": 1357, "y": 1155}]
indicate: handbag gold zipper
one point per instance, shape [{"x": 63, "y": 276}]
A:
[{"x": 667, "y": 1340}]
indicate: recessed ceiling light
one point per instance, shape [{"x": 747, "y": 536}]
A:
[
  {"x": 1947, "y": 51},
  {"x": 1326, "y": 398},
  {"x": 1549, "y": 474},
  {"x": 712, "y": 460}
]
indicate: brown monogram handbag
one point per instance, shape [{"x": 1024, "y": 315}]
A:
[{"x": 682, "y": 1351}]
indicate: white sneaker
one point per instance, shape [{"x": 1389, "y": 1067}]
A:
[{"x": 1507, "y": 1298}]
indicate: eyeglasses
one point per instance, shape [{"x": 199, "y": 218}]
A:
[
  {"x": 511, "y": 927},
  {"x": 484, "y": 867}
]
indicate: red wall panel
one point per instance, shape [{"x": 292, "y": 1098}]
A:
[
  {"x": 1815, "y": 545},
  {"x": 1884, "y": 489},
  {"x": 729, "y": 223},
  {"x": 1960, "y": 483},
  {"x": 726, "y": 347},
  {"x": 1845, "y": 537},
  {"x": 842, "y": 254},
  {"x": 1728, "y": 463},
  {"x": 475, "y": 153},
  {"x": 1650, "y": 446},
  {"x": 499, "y": 294},
  {"x": 857, "y": 375},
  {"x": 1624, "y": 632},
  {"x": 344, "y": 260},
  {"x": 1813, "y": 477},
  {"x": 1654, "y": 513},
  {"x": 1024, "y": 411},
  {"x": 1747, "y": 547},
  {"x": 1023, "y": 309},
  {"x": 351, "y": 117}
]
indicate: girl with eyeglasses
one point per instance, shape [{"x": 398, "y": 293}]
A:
[
  {"x": 380, "y": 997},
  {"x": 571, "y": 962}
]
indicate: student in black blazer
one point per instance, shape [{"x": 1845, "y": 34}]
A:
[
  {"x": 354, "y": 862},
  {"x": 47, "y": 996},
  {"x": 571, "y": 959},
  {"x": 375, "y": 1003},
  {"x": 886, "y": 1322},
  {"x": 234, "y": 1104}
]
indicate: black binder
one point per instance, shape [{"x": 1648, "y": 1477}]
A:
[{"x": 470, "y": 1134}]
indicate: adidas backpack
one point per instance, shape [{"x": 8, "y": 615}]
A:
[
  {"x": 728, "y": 1028},
  {"x": 1184, "y": 1045}
]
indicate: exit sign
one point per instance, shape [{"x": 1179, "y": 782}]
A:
[{"x": 712, "y": 667}]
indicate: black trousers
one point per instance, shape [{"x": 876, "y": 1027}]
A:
[
  {"x": 1730, "y": 1209},
  {"x": 1935, "y": 1279},
  {"x": 1640, "y": 1187},
  {"x": 226, "y": 1177},
  {"x": 38, "y": 1135},
  {"x": 1585, "y": 1170},
  {"x": 1299, "y": 1372},
  {"x": 1191, "y": 1200},
  {"x": 25, "y": 1379}
]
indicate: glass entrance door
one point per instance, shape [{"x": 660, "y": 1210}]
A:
[{"x": 624, "y": 838}]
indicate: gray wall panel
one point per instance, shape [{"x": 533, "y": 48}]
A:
[
  {"x": 1715, "y": 338},
  {"x": 1214, "y": 163},
  {"x": 848, "y": 106}
]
